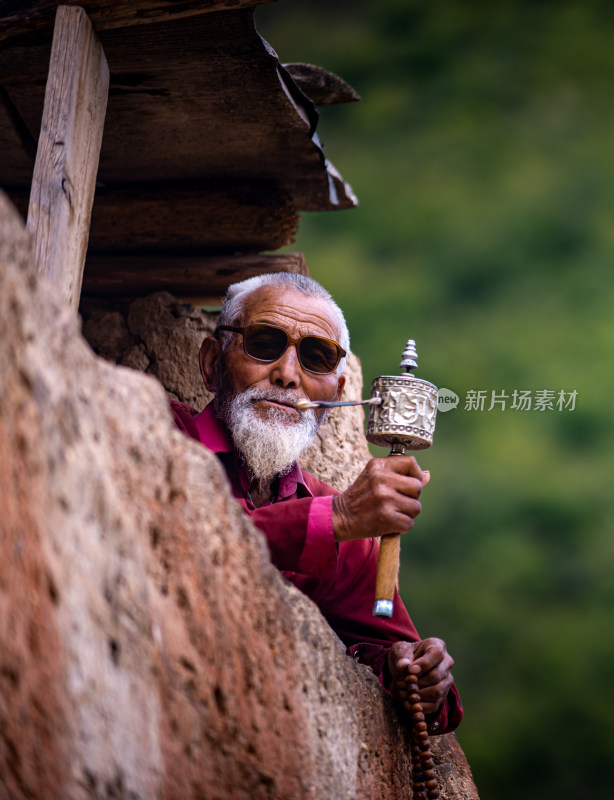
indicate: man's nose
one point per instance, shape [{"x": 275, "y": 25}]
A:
[{"x": 286, "y": 371}]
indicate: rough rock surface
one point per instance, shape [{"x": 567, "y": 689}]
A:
[
  {"x": 156, "y": 334},
  {"x": 149, "y": 648}
]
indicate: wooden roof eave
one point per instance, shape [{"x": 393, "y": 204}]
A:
[
  {"x": 209, "y": 149},
  {"x": 192, "y": 100}
]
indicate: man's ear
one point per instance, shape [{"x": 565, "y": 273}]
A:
[
  {"x": 340, "y": 385},
  {"x": 209, "y": 359}
]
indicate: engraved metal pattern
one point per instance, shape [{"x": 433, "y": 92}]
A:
[{"x": 406, "y": 415}]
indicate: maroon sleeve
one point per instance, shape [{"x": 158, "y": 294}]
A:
[{"x": 184, "y": 418}]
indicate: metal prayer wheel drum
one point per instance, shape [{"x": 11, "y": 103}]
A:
[{"x": 406, "y": 415}]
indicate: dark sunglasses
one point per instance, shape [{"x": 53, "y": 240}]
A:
[{"x": 264, "y": 342}]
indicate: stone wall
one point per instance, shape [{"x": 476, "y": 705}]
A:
[{"x": 149, "y": 648}]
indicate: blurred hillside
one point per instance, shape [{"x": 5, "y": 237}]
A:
[{"x": 482, "y": 156}]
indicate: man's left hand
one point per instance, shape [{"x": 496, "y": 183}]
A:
[{"x": 430, "y": 660}]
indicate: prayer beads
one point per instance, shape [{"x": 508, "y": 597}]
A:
[{"x": 424, "y": 779}]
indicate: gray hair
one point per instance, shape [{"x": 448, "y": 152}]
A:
[{"x": 233, "y": 305}]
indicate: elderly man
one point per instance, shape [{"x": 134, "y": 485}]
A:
[{"x": 281, "y": 338}]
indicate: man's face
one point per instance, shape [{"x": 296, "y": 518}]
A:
[{"x": 298, "y": 315}]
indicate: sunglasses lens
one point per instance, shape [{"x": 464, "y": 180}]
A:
[
  {"x": 318, "y": 355},
  {"x": 264, "y": 342},
  {"x": 267, "y": 343}
]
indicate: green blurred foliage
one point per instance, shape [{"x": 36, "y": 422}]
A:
[{"x": 482, "y": 154}]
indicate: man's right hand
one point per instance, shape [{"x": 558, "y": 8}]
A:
[{"x": 383, "y": 499}]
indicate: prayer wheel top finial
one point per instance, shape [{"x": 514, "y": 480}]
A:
[{"x": 409, "y": 359}]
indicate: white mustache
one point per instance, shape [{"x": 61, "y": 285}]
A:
[{"x": 275, "y": 395}]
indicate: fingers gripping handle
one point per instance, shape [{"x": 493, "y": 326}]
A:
[{"x": 387, "y": 574}]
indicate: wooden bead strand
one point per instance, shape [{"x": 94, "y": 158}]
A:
[{"x": 424, "y": 777}]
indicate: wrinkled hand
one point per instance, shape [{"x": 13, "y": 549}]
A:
[
  {"x": 430, "y": 660},
  {"x": 383, "y": 499}
]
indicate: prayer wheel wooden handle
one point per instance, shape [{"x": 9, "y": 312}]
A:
[
  {"x": 387, "y": 574},
  {"x": 388, "y": 562}
]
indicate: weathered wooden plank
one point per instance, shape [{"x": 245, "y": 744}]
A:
[
  {"x": 199, "y": 279},
  {"x": 236, "y": 215},
  {"x": 232, "y": 216},
  {"x": 64, "y": 177},
  {"x": 26, "y": 16}
]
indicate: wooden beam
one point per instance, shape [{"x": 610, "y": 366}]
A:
[
  {"x": 201, "y": 280},
  {"x": 224, "y": 216},
  {"x": 66, "y": 164},
  {"x": 28, "y": 16},
  {"x": 221, "y": 217}
]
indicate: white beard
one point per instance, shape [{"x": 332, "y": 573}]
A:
[{"x": 271, "y": 445}]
